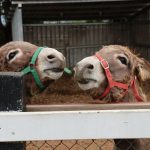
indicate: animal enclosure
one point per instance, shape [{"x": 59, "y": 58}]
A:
[{"x": 78, "y": 40}]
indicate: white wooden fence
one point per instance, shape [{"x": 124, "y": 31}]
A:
[{"x": 82, "y": 122}]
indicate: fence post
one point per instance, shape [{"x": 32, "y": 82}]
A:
[{"x": 11, "y": 99}]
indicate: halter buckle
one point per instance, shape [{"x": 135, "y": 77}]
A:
[{"x": 104, "y": 64}]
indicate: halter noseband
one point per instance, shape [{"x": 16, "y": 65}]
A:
[
  {"x": 112, "y": 83},
  {"x": 31, "y": 69}
]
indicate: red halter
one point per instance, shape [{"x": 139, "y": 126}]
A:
[{"x": 112, "y": 83}]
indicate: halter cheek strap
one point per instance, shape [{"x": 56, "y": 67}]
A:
[
  {"x": 31, "y": 69},
  {"x": 136, "y": 94},
  {"x": 112, "y": 83}
]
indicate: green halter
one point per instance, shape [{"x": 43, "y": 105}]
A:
[{"x": 31, "y": 69}]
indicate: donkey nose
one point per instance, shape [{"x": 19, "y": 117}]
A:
[
  {"x": 50, "y": 57},
  {"x": 90, "y": 67}
]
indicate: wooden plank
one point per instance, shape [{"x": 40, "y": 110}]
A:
[
  {"x": 91, "y": 124},
  {"x": 80, "y": 6},
  {"x": 77, "y": 107}
]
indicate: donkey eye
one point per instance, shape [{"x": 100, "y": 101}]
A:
[
  {"x": 123, "y": 60},
  {"x": 12, "y": 55}
]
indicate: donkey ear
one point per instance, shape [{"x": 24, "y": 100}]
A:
[{"x": 143, "y": 70}]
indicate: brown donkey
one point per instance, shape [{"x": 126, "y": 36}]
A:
[
  {"x": 115, "y": 74},
  {"x": 42, "y": 65}
]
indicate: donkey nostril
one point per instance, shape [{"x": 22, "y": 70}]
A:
[
  {"x": 90, "y": 66},
  {"x": 50, "y": 56}
]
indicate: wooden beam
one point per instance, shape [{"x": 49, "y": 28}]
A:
[
  {"x": 85, "y": 124},
  {"x": 82, "y": 6},
  {"x": 143, "y": 9},
  {"x": 85, "y": 11},
  {"x": 62, "y": 1},
  {"x": 77, "y": 107}
]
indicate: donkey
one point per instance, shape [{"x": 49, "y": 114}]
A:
[
  {"x": 115, "y": 74},
  {"x": 41, "y": 65}
]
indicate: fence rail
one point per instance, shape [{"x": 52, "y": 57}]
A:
[
  {"x": 79, "y": 124},
  {"x": 77, "y": 107}
]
